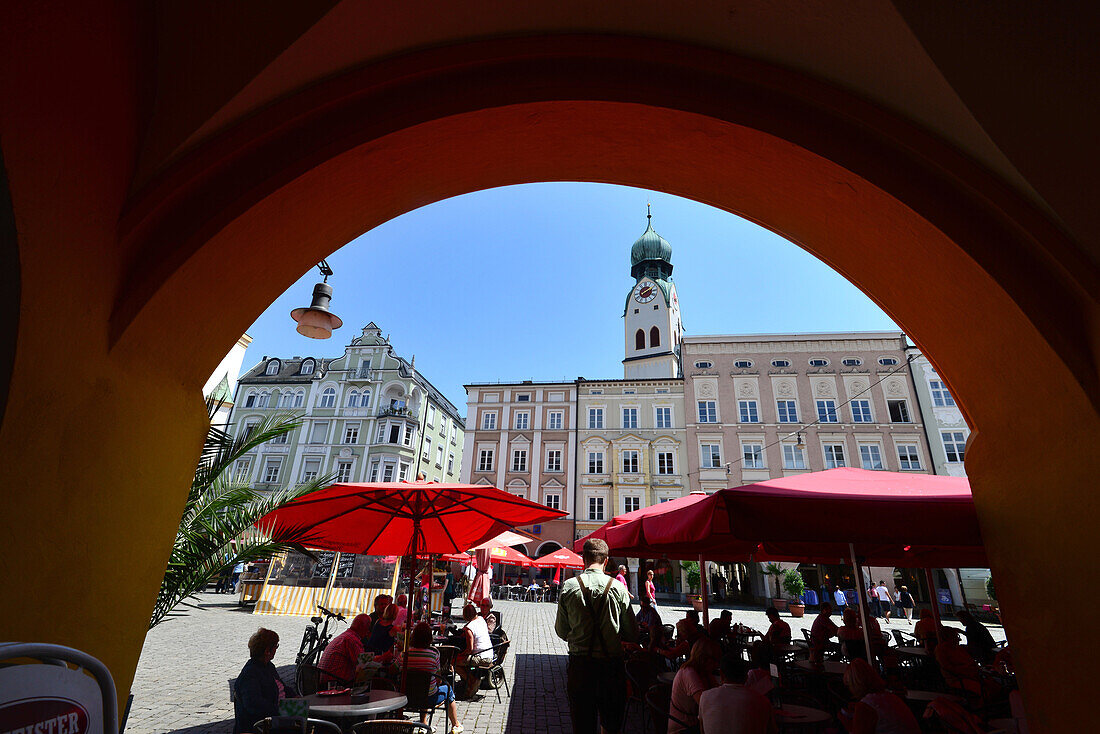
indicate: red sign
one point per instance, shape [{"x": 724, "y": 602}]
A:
[{"x": 44, "y": 715}]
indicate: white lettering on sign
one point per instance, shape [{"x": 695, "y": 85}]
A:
[{"x": 43, "y": 716}]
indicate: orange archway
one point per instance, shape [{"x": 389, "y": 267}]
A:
[{"x": 175, "y": 248}]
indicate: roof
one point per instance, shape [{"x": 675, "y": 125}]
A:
[
  {"x": 289, "y": 371},
  {"x": 650, "y": 246}
]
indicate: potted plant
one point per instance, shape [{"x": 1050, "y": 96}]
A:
[
  {"x": 794, "y": 585},
  {"x": 691, "y": 572},
  {"x": 776, "y": 572}
]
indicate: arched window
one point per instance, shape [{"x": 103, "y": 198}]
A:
[
  {"x": 250, "y": 399},
  {"x": 273, "y": 367},
  {"x": 639, "y": 339},
  {"x": 364, "y": 399},
  {"x": 307, "y": 367},
  {"x": 654, "y": 337},
  {"x": 299, "y": 398},
  {"x": 286, "y": 400},
  {"x": 328, "y": 398},
  {"x": 353, "y": 399},
  {"x": 262, "y": 402}
]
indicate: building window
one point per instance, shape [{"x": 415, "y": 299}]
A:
[
  {"x": 554, "y": 420},
  {"x": 271, "y": 471},
  {"x": 248, "y": 428},
  {"x": 661, "y": 391},
  {"x": 403, "y": 473},
  {"x": 908, "y": 458},
  {"x": 373, "y": 472},
  {"x": 861, "y": 411},
  {"x": 748, "y": 411},
  {"x": 781, "y": 363},
  {"x": 343, "y": 471},
  {"x": 752, "y": 456},
  {"x": 826, "y": 411},
  {"x": 870, "y": 457},
  {"x": 639, "y": 339},
  {"x": 712, "y": 455},
  {"x": 595, "y": 417},
  {"x": 519, "y": 460},
  {"x": 523, "y": 420},
  {"x": 364, "y": 369},
  {"x": 553, "y": 500},
  {"x": 630, "y": 418},
  {"x": 261, "y": 401},
  {"x": 664, "y": 417},
  {"x": 954, "y": 443},
  {"x": 450, "y": 463},
  {"x": 630, "y": 462},
  {"x": 665, "y": 463},
  {"x": 524, "y": 398},
  {"x": 387, "y": 473},
  {"x": 319, "y": 432},
  {"x": 310, "y": 469},
  {"x": 240, "y": 469},
  {"x": 281, "y": 438},
  {"x": 443, "y": 426},
  {"x": 299, "y": 398},
  {"x": 595, "y": 462},
  {"x": 381, "y": 433},
  {"x": 553, "y": 460},
  {"x": 887, "y": 361},
  {"x": 834, "y": 456},
  {"x": 704, "y": 364},
  {"x": 629, "y": 391},
  {"x": 595, "y": 508},
  {"x": 286, "y": 400},
  {"x": 654, "y": 337},
  {"x": 431, "y": 415},
  {"x": 793, "y": 457},
  {"x": 395, "y": 433},
  {"x": 787, "y": 410},
  {"x": 410, "y": 434},
  {"x": 485, "y": 460},
  {"x": 630, "y": 504},
  {"x": 851, "y": 361},
  {"x": 250, "y": 400},
  {"x": 595, "y": 392},
  {"x": 351, "y": 433},
  {"x": 307, "y": 367},
  {"x": 488, "y": 421},
  {"x": 426, "y": 449},
  {"x": 819, "y": 362},
  {"x": 941, "y": 396},
  {"x": 708, "y": 411},
  {"x": 439, "y": 457},
  {"x": 273, "y": 367},
  {"x": 743, "y": 364},
  {"x": 899, "y": 411},
  {"x": 328, "y": 398},
  {"x": 454, "y": 433}
]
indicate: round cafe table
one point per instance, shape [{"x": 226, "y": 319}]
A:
[
  {"x": 344, "y": 711},
  {"x": 790, "y": 716},
  {"x": 832, "y": 667}
]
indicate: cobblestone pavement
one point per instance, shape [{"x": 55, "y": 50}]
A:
[{"x": 182, "y": 678}]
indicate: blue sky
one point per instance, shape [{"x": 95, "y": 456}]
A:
[{"x": 528, "y": 282}]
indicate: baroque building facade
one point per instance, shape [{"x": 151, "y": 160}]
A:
[{"x": 367, "y": 416}]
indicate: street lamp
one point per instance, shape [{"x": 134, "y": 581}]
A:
[{"x": 317, "y": 322}]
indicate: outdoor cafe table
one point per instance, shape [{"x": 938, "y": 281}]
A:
[
  {"x": 789, "y": 715},
  {"x": 919, "y": 652},
  {"x": 340, "y": 709},
  {"x": 929, "y": 696},
  {"x": 832, "y": 667},
  {"x": 786, "y": 650}
]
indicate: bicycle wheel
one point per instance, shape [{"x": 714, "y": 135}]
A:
[{"x": 311, "y": 658}]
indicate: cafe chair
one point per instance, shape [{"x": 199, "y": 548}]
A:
[
  {"x": 391, "y": 726},
  {"x": 658, "y": 699},
  {"x": 418, "y": 683},
  {"x": 447, "y": 654},
  {"x": 57, "y": 674},
  {"x": 642, "y": 675},
  {"x": 294, "y": 725},
  {"x": 492, "y": 674}
]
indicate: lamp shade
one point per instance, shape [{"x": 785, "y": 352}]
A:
[{"x": 317, "y": 322}]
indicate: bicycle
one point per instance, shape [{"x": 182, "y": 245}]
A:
[{"x": 316, "y": 638}]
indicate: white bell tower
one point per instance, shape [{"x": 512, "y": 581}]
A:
[{"x": 652, "y": 316}]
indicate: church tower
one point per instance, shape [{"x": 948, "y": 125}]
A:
[{"x": 652, "y": 315}]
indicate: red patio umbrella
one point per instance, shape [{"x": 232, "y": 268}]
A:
[
  {"x": 559, "y": 559},
  {"x": 509, "y": 557}
]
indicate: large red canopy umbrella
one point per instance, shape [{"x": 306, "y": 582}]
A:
[
  {"x": 509, "y": 557},
  {"x": 561, "y": 558}
]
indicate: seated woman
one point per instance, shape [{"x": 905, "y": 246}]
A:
[
  {"x": 424, "y": 658},
  {"x": 925, "y": 630},
  {"x": 259, "y": 687},
  {"x": 382, "y": 635},
  {"x": 850, "y": 635},
  {"x": 693, "y": 678},
  {"x": 959, "y": 669},
  {"x": 876, "y": 710},
  {"x": 476, "y": 650}
]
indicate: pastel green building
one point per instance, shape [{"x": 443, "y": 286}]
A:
[{"x": 367, "y": 416}]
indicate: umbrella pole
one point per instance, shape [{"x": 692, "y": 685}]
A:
[
  {"x": 415, "y": 546},
  {"x": 860, "y": 594},
  {"x": 703, "y": 588},
  {"x": 935, "y": 602},
  {"x": 962, "y": 591}
]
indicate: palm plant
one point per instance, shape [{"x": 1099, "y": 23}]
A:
[
  {"x": 775, "y": 571},
  {"x": 218, "y": 525}
]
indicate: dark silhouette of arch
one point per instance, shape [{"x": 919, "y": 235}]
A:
[
  {"x": 639, "y": 339},
  {"x": 654, "y": 337}
]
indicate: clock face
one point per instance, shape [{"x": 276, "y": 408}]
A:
[{"x": 645, "y": 292}]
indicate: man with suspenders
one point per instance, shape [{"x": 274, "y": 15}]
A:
[{"x": 595, "y": 618}]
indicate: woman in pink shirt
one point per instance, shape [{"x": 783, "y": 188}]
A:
[
  {"x": 694, "y": 676},
  {"x": 650, "y": 587}
]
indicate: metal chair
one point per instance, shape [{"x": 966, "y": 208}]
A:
[
  {"x": 295, "y": 725},
  {"x": 492, "y": 674},
  {"x": 418, "y": 686},
  {"x": 447, "y": 654},
  {"x": 658, "y": 699},
  {"x": 95, "y": 692},
  {"x": 391, "y": 726},
  {"x": 642, "y": 676}
]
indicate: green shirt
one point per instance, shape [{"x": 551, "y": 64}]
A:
[{"x": 574, "y": 621}]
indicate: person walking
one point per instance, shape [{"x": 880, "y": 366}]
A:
[
  {"x": 621, "y": 577},
  {"x": 839, "y": 597},
  {"x": 884, "y": 604},
  {"x": 594, "y": 616},
  {"x": 905, "y": 601},
  {"x": 650, "y": 588},
  {"x": 872, "y": 599}
]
